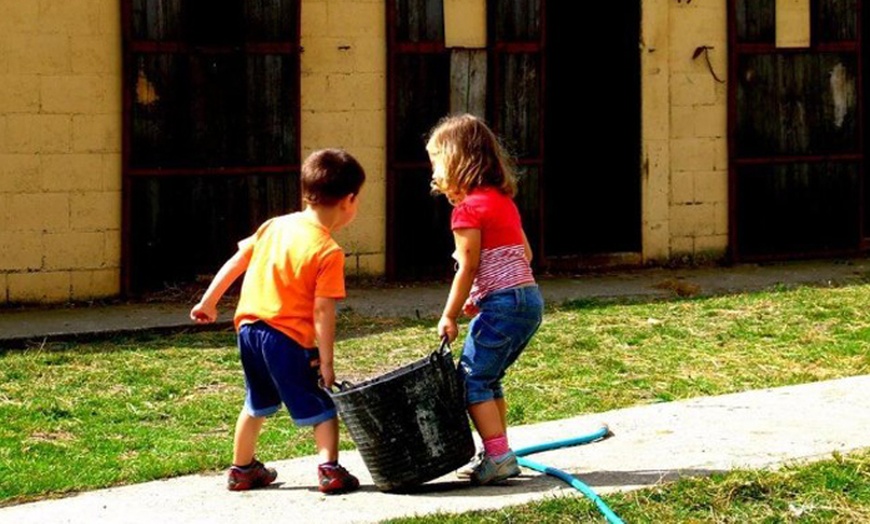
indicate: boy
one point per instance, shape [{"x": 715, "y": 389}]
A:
[{"x": 294, "y": 273}]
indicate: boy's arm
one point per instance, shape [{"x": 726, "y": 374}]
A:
[
  {"x": 324, "y": 329},
  {"x": 468, "y": 258},
  {"x": 206, "y": 311}
]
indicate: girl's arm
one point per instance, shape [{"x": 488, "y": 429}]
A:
[
  {"x": 468, "y": 259},
  {"x": 527, "y": 249},
  {"x": 324, "y": 329},
  {"x": 206, "y": 311}
]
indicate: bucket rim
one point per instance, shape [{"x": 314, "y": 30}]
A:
[{"x": 346, "y": 388}]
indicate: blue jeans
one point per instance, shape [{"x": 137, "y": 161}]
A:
[
  {"x": 497, "y": 335},
  {"x": 277, "y": 369}
]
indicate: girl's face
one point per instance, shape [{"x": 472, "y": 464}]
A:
[
  {"x": 440, "y": 182},
  {"x": 439, "y": 173}
]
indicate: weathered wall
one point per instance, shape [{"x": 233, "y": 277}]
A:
[
  {"x": 685, "y": 211},
  {"x": 344, "y": 105},
  {"x": 60, "y": 142},
  {"x": 60, "y": 135}
]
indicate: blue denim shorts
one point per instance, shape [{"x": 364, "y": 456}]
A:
[
  {"x": 497, "y": 335},
  {"x": 277, "y": 369}
]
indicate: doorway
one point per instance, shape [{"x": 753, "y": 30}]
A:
[{"x": 592, "y": 185}]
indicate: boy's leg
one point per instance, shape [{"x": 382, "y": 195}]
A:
[
  {"x": 331, "y": 475},
  {"x": 261, "y": 400},
  {"x": 295, "y": 372},
  {"x": 326, "y": 440},
  {"x": 245, "y": 439},
  {"x": 247, "y": 472}
]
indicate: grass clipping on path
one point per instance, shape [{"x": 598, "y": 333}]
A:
[{"x": 85, "y": 416}]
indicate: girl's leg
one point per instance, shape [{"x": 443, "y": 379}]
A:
[
  {"x": 502, "y": 411},
  {"x": 245, "y": 441},
  {"x": 487, "y": 419},
  {"x": 326, "y": 440}
]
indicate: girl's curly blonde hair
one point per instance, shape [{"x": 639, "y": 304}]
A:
[{"x": 473, "y": 157}]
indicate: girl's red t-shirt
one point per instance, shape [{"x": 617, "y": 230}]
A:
[{"x": 503, "y": 262}]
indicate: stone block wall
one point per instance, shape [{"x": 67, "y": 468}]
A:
[
  {"x": 60, "y": 145},
  {"x": 344, "y": 79}
]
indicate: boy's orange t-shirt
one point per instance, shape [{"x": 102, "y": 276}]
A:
[{"x": 291, "y": 260}]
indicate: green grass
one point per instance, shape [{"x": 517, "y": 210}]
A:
[
  {"x": 80, "y": 416},
  {"x": 828, "y": 491}
]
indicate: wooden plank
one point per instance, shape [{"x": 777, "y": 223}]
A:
[
  {"x": 756, "y": 21},
  {"x": 837, "y": 20},
  {"x": 468, "y": 81}
]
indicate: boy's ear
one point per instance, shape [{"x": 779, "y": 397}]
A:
[{"x": 348, "y": 199}]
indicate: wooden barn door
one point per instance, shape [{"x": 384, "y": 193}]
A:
[
  {"x": 517, "y": 80},
  {"x": 419, "y": 241},
  {"x": 211, "y": 131},
  {"x": 796, "y": 162}
]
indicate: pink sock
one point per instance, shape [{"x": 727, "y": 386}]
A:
[{"x": 496, "y": 446}]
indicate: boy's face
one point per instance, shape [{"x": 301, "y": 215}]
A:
[{"x": 349, "y": 206}]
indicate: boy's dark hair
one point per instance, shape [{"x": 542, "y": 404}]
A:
[{"x": 328, "y": 175}]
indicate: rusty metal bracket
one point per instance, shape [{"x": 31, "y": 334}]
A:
[{"x": 705, "y": 50}]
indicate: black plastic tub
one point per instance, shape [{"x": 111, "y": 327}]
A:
[{"x": 410, "y": 425}]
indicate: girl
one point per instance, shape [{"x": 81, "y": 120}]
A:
[{"x": 493, "y": 281}]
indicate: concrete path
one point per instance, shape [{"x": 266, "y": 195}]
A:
[{"x": 651, "y": 444}]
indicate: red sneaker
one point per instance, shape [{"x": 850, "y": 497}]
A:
[
  {"x": 254, "y": 476},
  {"x": 336, "y": 479}
]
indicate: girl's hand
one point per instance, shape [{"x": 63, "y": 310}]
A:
[
  {"x": 470, "y": 309},
  {"x": 447, "y": 328},
  {"x": 203, "y": 313}
]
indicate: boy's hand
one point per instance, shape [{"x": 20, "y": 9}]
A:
[
  {"x": 327, "y": 375},
  {"x": 447, "y": 328},
  {"x": 203, "y": 314}
]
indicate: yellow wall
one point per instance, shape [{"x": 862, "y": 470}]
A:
[
  {"x": 344, "y": 72},
  {"x": 60, "y": 135},
  {"x": 60, "y": 143},
  {"x": 685, "y": 154}
]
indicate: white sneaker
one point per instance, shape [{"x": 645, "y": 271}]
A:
[
  {"x": 467, "y": 470},
  {"x": 492, "y": 471}
]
